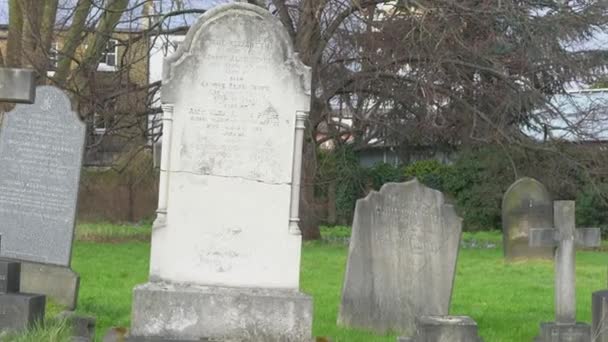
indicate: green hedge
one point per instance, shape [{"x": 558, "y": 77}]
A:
[{"x": 475, "y": 182}]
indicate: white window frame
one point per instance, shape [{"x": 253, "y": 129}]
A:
[
  {"x": 53, "y": 59},
  {"x": 103, "y": 64},
  {"x": 99, "y": 130}
]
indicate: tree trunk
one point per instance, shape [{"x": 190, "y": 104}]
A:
[
  {"x": 33, "y": 54},
  {"x": 307, "y": 38},
  {"x": 72, "y": 41},
  {"x": 309, "y": 222},
  {"x": 47, "y": 29},
  {"x": 107, "y": 24},
  {"x": 15, "y": 35},
  {"x": 332, "y": 213}
]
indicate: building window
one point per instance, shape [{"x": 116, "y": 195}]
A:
[
  {"x": 103, "y": 118},
  {"x": 53, "y": 56},
  {"x": 109, "y": 56},
  {"x": 102, "y": 123}
]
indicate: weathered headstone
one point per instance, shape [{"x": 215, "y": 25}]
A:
[
  {"x": 18, "y": 311},
  {"x": 17, "y": 85},
  {"x": 225, "y": 256},
  {"x": 402, "y": 258},
  {"x": 526, "y": 204},
  {"x": 444, "y": 329},
  {"x": 41, "y": 148},
  {"x": 599, "y": 308},
  {"x": 564, "y": 236}
]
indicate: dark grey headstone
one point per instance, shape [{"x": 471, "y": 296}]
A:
[
  {"x": 599, "y": 307},
  {"x": 83, "y": 327},
  {"x": 19, "y": 311},
  {"x": 10, "y": 275},
  {"x": 41, "y": 148},
  {"x": 553, "y": 332},
  {"x": 526, "y": 204},
  {"x": 17, "y": 85},
  {"x": 402, "y": 258}
]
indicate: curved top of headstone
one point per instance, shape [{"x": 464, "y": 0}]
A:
[
  {"x": 526, "y": 183},
  {"x": 526, "y": 204},
  {"x": 411, "y": 185},
  {"x": 198, "y": 31},
  {"x": 50, "y": 98}
]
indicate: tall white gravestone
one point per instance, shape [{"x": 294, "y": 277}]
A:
[{"x": 225, "y": 257}]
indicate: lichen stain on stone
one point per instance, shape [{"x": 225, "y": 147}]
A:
[{"x": 177, "y": 320}]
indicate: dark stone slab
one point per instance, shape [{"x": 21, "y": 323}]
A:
[
  {"x": 184, "y": 312},
  {"x": 9, "y": 276},
  {"x": 402, "y": 258},
  {"x": 552, "y": 332},
  {"x": 19, "y": 311},
  {"x": 447, "y": 329},
  {"x": 526, "y": 204},
  {"x": 599, "y": 307},
  {"x": 59, "y": 283},
  {"x": 17, "y": 85},
  {"x": 83, "y": 327},
  {"x": 588, "y": 237},
  {"x": 41, "y": 150}
]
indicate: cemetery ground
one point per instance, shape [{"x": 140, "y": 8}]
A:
[{"x": 506, "y": 300}]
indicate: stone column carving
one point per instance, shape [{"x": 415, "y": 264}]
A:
[
  {"x": 165, "y": 165},
  {"x": 294, "y": 216}
]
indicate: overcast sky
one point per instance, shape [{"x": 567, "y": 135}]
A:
[
  {"x": 160, "y": 5},
  {"x": 600, "y": 40}
]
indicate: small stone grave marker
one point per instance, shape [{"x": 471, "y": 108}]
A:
[
  {"x": 564, "y": 236},
  {"x": 17, "y": 85},
  {"x": 18, "y": 311},
  {"x": 401, "y": 260},
  {"x": 526, "y": 204}
]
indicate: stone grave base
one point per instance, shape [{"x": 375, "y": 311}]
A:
[
  {"x": 552, "y": 332},
  {"x": 83, "y": 327},
  {"x": 444, "y": 329},
  {"x": 21, "y": 310},
  {"x": 58, "y": 283},
  {"x": 189, "y": 312}
]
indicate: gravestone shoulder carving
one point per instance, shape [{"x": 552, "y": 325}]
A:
[{"x": 402, "y": 258}]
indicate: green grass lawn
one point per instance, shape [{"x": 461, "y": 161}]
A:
[{"x": 508, "y": 301}]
